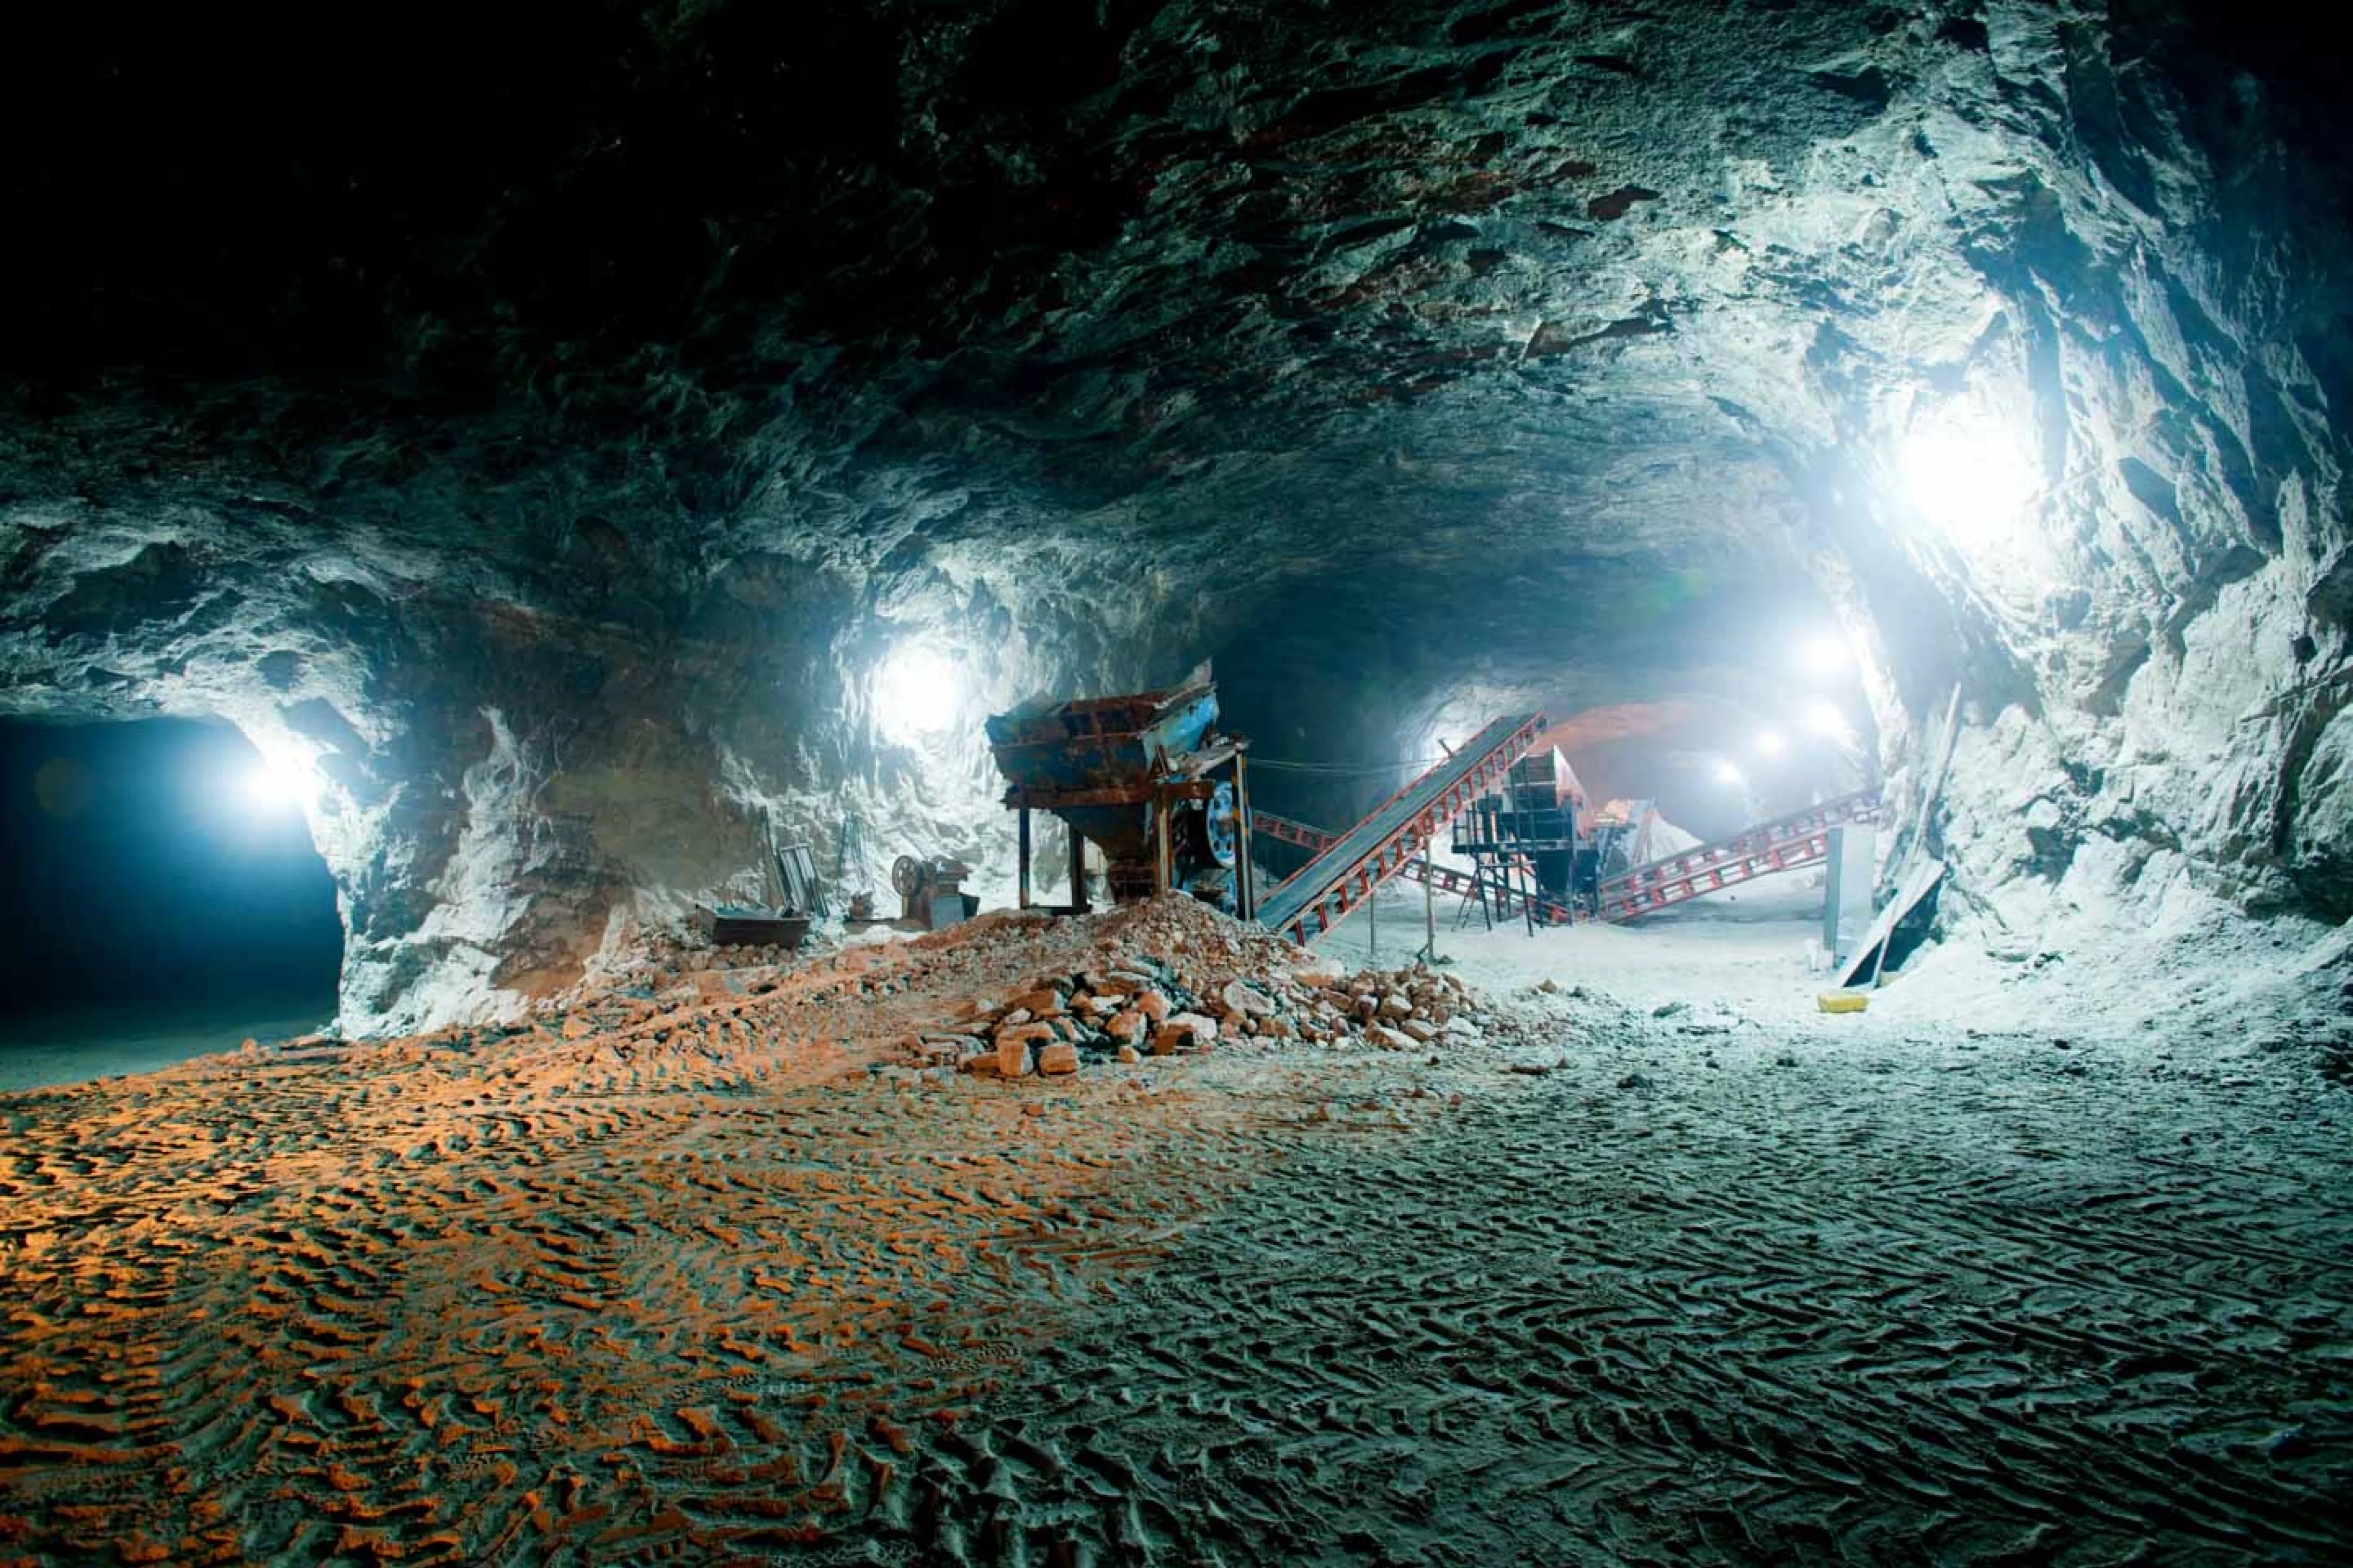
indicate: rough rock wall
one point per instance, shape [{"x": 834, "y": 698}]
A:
[
  {"x": 1417, "y": 359},
  {"x": 2145, "y": 616},
  {"x": 507, "y": 778}
]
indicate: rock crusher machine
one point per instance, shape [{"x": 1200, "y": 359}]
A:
[
  {"x": 1138, "y": 777},
  {"x": 1529, "y": 841}
]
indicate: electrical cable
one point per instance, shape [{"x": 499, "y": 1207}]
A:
[{"x": 1345, "y": 770}]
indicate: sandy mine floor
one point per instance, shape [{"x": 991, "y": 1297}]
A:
[
  {"x": 694, "y": 1286},
  {"x": 38, "y": 1052}
]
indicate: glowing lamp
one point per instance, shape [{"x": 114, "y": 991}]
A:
[
  {"x": 279, "y": 782},
  {"x": 916, "y": 694},
  {"x": 1824, "y": 653},
  {"x": 1825, "y": 720},
  {"x": 1974, "y": 483}
]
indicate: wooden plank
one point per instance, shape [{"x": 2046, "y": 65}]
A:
[{"x": 1870, "y": 957}]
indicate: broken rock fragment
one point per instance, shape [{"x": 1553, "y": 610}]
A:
[
  {"x": 1243, "y": 998},
  {"x": 1184, "y": 1031}
]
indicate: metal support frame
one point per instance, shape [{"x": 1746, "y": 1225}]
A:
[
  {"x": 1446, "y": 879},
  {"x": 1161, "y": 807},
  {"x": 1429, "y": 954},
  {"x": 1323, "y": 892},
  {"x": 1787, "y": 844},
  {"x": 1024, "y": 857},
  {"x": 1801, "y": 838},
  {"x": 1245, "y": 876}
]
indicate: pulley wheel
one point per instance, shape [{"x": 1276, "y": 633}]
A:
[
  {"x": 907, "y": 876},
  {"x": 1222, "y": 825}
]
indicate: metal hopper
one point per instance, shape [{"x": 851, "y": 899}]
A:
[{"x": 1133, "y": 775}]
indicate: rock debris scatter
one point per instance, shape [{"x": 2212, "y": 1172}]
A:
[{"x": 771, "y": 1276}]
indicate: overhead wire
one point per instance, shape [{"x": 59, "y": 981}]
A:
[{"x": 1342, "y": 770}]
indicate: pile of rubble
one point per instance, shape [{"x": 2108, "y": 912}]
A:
[
  {"x": 1016, "y": 994},
  {"x": 1173, "y": 977}
]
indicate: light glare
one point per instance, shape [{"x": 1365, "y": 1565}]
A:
[
  {"x": 279, "y": 782},
  {"x": 1769, "y": 744},
  {"x": 916, "y": 694},
  {"x": 1729, "y": 774},
  {"x": 1825, "y": 653},
  {"x": 1972, "y": 483},
  {"x": 1825, "y": 719}
]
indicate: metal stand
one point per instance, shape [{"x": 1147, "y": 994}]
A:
[
  {"x": 1429, "y": 954},
  {"x": 1245, "y": 884}
]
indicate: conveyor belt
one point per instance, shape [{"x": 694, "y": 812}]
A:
[
  {"x": 1445, "y": 878},
  {"x": 1381, "y": 846},
  {"x": 1801, "y": 838}
]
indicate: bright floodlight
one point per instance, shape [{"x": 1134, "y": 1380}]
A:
[
  {"x": 1824, "y": 653},
  {"x": 1974, "y": 483},
  {"x": 279, "y": 782},
  {"x": 1728, "y": 773},
  {"x": 1825, "y": 719},
  {"x": 1769, "y": 744},
  {"x": 916, "y": 693}
]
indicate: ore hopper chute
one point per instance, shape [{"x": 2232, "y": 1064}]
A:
[{"x": 1138, "y": 776}]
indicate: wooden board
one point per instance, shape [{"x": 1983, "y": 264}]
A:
[{"x": 1915, "y": 887}]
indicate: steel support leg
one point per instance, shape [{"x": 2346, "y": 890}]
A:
[{"x": 1248, "y": 903}]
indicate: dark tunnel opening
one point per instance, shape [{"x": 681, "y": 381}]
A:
[{"x": 163, "y": 896}]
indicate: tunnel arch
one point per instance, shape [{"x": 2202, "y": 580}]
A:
[{"x": 163, "y": 890}]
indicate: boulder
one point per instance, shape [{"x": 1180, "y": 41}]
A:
[
  {"x": 1062, "y": 1056},
  {"x": 1184, "y": 1031},
  {"x": 1152, "y": 1004},
  {"x": 1024, "y": 1035},
  {"x": 1247, "y": 1000},
  {"x": 1013, "y": 1057}
]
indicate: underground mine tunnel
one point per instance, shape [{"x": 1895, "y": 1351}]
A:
[{"x": 1697, "y": 655}]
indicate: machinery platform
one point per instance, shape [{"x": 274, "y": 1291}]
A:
[{"x": 1345, "y": 873}]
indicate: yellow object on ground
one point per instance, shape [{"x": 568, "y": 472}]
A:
[{"x": 1844, "y": 1001}]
